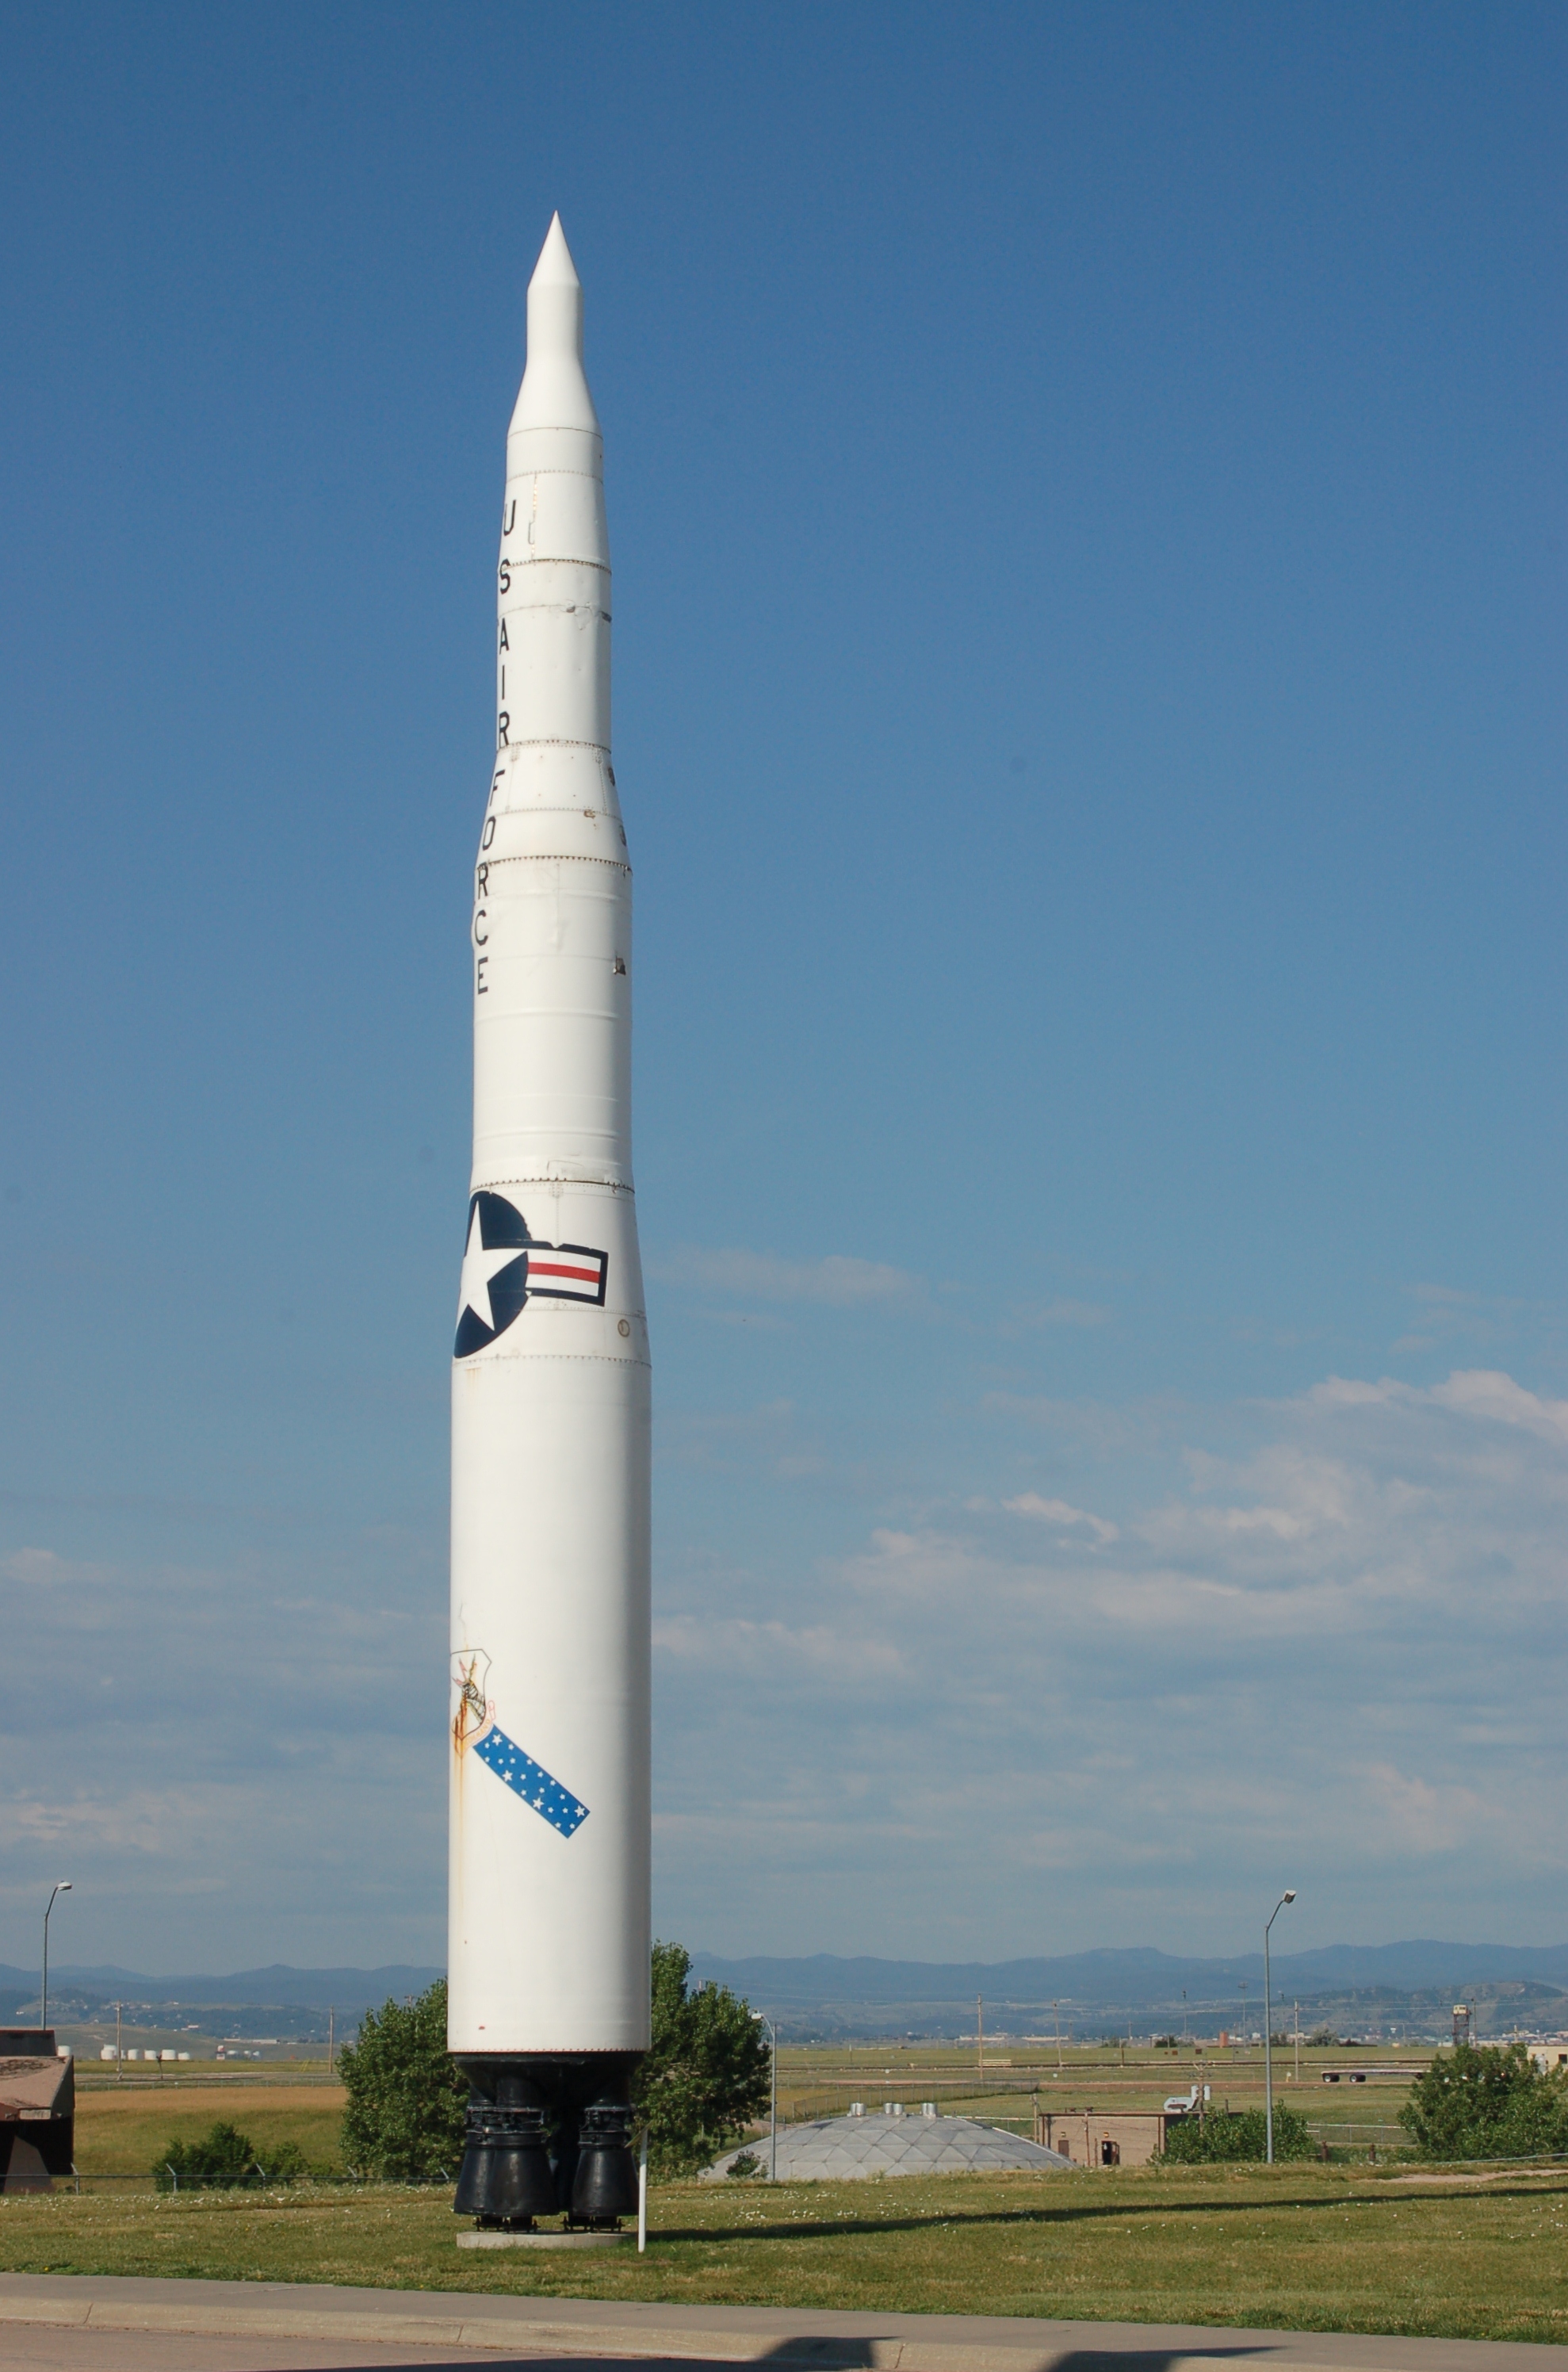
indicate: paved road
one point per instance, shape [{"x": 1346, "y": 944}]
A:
[{"x": 102, "y": 2323}]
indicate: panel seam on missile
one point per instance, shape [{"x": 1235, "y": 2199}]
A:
[
  {"x": 556, "y": 560},
  {"x": 548, "y": 857},
  {"x": 545, "y": 1178},
  {"x": 490, "y": 1356}
]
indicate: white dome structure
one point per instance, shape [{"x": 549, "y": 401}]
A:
[{"x": 858, "y": 2148}]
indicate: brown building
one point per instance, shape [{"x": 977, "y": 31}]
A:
[
  {"x": 1119, "y": 2138},
  {"x": 38, "y": 2109}
]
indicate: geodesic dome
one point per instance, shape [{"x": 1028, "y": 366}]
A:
[{"x": 859, "y": 2148}]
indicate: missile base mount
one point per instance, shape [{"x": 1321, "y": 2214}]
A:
[{"x": 548, "y": 2135}]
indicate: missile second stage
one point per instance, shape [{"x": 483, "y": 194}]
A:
[{"x": 549, "y": 1867}]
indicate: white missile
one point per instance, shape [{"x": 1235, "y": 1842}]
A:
[{"x": 549, "y": 1864}]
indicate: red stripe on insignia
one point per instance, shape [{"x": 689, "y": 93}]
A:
[{"x": 557, "y": 1268}]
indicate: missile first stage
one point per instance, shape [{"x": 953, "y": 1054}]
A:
[{"x": 549, "y": 1736}]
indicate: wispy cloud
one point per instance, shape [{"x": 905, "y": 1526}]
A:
[
  {"x": 1058, "y": 1511},
  {"x": 1062, "y": 1311},
  {"x": 837, "y": 1280},
  {"x": 1338, "y": 1648}
]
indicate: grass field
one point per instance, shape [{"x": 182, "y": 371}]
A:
[
  {"x": 1313, "y": 2248},
  {"x": 122, "y": 2131},
  {"x": 815, "y": 2082},
  {"x": 121, "y": 2121}
]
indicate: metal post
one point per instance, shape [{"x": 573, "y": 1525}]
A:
[
  {"x": 62, "y": 1887},
  {"x": 118, "y": 2054},
  {"x": 643, "y": 2193},
  {"x": 760, "y": 2018},
  {"x": 1288, "y": 1896}
]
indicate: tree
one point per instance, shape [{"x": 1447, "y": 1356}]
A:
[
  {"x": 1192, "y": 2140},
  {"x": 705, "y": 2077},
  {"x": 406, "y": 2096},
  {"x": 1487, "y": 2100}
]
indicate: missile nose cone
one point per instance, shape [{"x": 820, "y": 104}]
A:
[
  {"x": 555, "y": 267},
  {"x": 554, "y": 392}
]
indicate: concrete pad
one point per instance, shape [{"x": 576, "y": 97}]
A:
[{"x": 543, "y": 2239}]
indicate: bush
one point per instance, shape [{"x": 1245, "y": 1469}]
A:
[
  {"x": 406, "y": 2096},
  {"x": 1487, "y": 2100},
  {"x": 1211, "y": 2140},
  {"x": 225, "y": 2159},
  {"x": 705, "y": 2078},
  {"x": 745, "y": 2164}
]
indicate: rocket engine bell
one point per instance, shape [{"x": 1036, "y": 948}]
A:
[{"x": 549, "y": 1733}]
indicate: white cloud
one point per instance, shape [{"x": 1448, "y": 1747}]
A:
[
  {"x": 1336, "y": 1650},
  {"x": 837, "y": 1280},
  {"x": 1058, "y": 1511}
]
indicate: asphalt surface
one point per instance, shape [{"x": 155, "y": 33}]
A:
[{"x": 110, "y": 2323}]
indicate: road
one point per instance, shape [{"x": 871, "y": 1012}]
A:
[{"x": 108, "y": 2323}]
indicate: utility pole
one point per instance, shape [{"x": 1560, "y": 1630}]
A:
[
  {"x": 1288, "y": 1896},
  {"x": 331, "y": 2015},
  {"x": 980, "y": 2038},
  {"x": 63, "y": 1886},
  {"x": 1298, "y": 2006},
  {"x": 118, "y": 2054},
  {"x": 1056, "y": 2014}
]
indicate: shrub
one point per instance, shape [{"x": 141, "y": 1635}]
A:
[
  {"x": 403, "y": 2119},
  {"x": 745, "y": 2164},
  {"x": 1192, "y": 2141},
  {"x": 223, "y": 2159},
  {"x": 1487, "y": 2100},
  {"x": 705, "y": 2078}
]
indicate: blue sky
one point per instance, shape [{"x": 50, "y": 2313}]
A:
[{"x": 1087, "y": 493}]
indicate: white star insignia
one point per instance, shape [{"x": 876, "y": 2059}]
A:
[{"x": 479, "y": 1267}]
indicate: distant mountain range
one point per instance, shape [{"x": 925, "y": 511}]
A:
[
  {"x": 252, "y": 1997},
  {"x": 1391, "y": 1987},
  {"x": 1138, "y": 1978},
  {"x": 1411, "y": 1983}
]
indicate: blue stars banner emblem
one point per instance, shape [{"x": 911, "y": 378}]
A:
[
  {"x": 532, "y": 1782},
  {"x": 473, "y": 1727}
]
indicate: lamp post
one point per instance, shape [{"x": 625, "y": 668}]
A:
[
  {"x": 62, "y": 1887},
  {"x": 1288, "y": 1896},
  {"x": 759, "y": 2020}
]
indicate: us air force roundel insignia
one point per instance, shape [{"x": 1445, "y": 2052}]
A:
[{"x": 504, "y": 1266}]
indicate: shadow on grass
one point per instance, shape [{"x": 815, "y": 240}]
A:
[
  {"x": 1109, "y": 2210},
  {"x": 831, "y": 2354}
]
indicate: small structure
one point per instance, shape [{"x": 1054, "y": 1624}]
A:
[
  {"x": 859, "y": 2148},
  {"x": 38, "y": 2109},
  {"x": 1087, "y": 2137}
]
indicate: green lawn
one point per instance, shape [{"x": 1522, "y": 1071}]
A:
[{"x": 1313, "y": 2248}]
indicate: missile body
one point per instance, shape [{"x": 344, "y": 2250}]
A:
[{"x": 549, "y": 1861}]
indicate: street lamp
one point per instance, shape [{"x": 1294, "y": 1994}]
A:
[
  {"x": 1288, "y": 1896},
  {"x": 759, "y": 2019},
  {"x": 63, "y": 1887}
]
